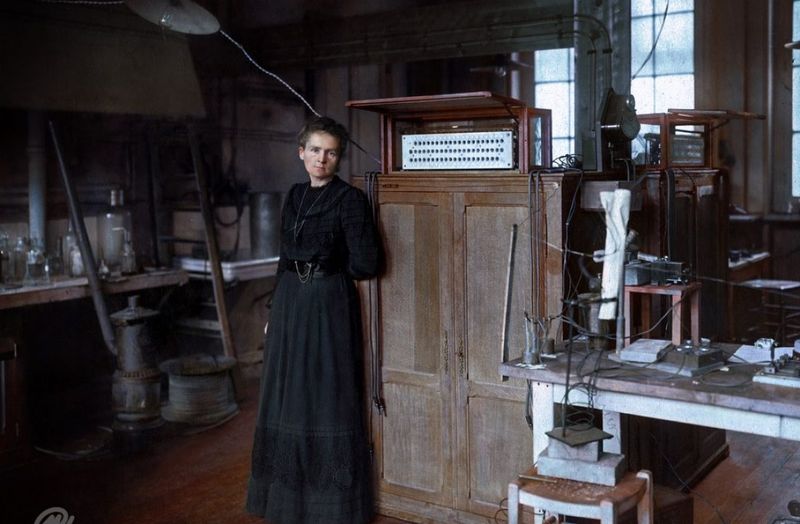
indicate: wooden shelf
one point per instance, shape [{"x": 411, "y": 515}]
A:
[{"x": 74, "y": 288}]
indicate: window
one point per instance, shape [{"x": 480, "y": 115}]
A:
[
  {"x": 795, "y": 101},
  {"x": 554, "y": 88},
  {"x": 664, "y": 78}
]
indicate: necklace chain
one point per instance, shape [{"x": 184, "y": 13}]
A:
[{"x": 297, "y": 228}]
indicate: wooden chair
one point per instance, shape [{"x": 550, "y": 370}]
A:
[{"x": 582, "y": 499}]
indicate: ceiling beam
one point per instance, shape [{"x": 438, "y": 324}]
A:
[{"x": 450, "y": 30}]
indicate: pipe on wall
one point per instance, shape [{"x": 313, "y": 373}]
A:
[
  {"x": 769, "y": 138},
  {"x": 37, "y": 176}
]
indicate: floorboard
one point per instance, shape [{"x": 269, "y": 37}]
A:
[
  {"x": 754, "y": 484},
  {"x": 190, "y": 478}
]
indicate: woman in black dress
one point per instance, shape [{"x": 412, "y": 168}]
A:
[{"x": 310, "y": 454}]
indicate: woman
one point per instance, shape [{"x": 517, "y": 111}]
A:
[{"x": 310, "y": 454}]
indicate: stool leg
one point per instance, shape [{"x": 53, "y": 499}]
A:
[
  {"x": 626, "y": 308},
  {"x": 677, "y": 319},
  {"x": 644, "y": 509},
  {"x": 513, "y": 503},
  {"x": 608, "y": 512},
  {"x": 695, "y": 316}
]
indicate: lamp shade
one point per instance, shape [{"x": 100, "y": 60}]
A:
[{"x": 182, "y": 16}]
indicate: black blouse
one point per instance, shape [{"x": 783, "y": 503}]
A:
[{"x": 330, "y": 226}]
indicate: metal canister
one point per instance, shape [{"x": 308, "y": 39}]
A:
[
  {"x": 265, "y": 224},
  {"x": 589, "y": 317},
  {"x": 136, "y": 387}
]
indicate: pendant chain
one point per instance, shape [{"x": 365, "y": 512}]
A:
[{"x": 297, "y": 228}]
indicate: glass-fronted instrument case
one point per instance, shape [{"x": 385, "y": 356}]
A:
[{"x": 462, "y": 132}]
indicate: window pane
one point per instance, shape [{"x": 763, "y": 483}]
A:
[
  {"x": 642, "y": 7},
  {"x": 676, "y": 91},
  {"x": 795, "y": 164},
  {"x": 795, "y": 99},
  {"x": 675, "y": 50},
  {"x": 554, "y": 89},
  {"x": 675, "y": 6},
  {"x": 641, "y": 42},
  {"x": 553, "y": 65},
  {"x": 561, "y": 147},
  {"x": 555, "y": 96},
  {"x": 643, "y": 91},
  {"x": 796, "y": 21}
]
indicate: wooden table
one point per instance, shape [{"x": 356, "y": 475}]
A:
[
  {"x": 72, "y": 288},
  {"x": 756, "y": 408}
]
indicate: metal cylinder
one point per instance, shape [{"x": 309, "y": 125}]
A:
[
  {"x": 136, "y": 388},
  {"x": 200, "y": 389},
  {"x": 265, "y": 224},
  {"x": 37, "y": 175},
  {"x": 597, "y": 329}
]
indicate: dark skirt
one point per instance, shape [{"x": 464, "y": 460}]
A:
[{"x": 310, "y": 453}]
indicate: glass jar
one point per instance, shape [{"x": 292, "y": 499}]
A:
[{"x": 110, "y": 238}]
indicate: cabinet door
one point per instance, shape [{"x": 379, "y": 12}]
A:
[
  {"x": 494, "y": 441},
  {"x": 413, "y": 439}
]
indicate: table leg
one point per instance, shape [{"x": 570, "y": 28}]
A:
[
  {"x": 645, "y": 307},
  {"x": 612, "y": 423},
  {"x": 513, "y": 503},
  {"x": 542, "y": 406}
]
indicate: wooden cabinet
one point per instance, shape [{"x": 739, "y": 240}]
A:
[
  {"x": 414, "y": 443},
  {"x": 454, "y": 432},
  {"x": 14, "y": 446},
  {"x": 694, "y": 232}
]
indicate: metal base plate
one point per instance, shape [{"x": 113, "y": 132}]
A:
[{"x": 577, "y": 436}]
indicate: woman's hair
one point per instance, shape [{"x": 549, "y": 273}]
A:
[{"x": 323, "y": 124}]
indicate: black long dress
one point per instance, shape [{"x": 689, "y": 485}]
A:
[{"x": 310, "y": 454}]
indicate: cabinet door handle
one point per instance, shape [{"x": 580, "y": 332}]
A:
[
  {"x": 445, "y": 353},
  {"x": 462, "y": 361}
]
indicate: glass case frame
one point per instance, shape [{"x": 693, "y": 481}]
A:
[{"x": 476, "y": 111}]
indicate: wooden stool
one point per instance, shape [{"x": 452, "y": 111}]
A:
[
  {"x": 678, "y": 292},
  {"x": 581, "y": 499},
  {"x": 785, "y": 328}
]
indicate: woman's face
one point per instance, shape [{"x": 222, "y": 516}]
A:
[{"x": 320, "y": 156}]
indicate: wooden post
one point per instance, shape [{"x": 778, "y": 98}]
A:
[{"x": 214, "y": 262}]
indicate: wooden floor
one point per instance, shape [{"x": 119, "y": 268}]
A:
[{"x": 201, "y": 478}]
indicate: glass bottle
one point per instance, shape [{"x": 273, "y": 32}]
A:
[
  {"x": 5, "y": 259},
  {"x": 55, "y": 259},
  {"x": 73, "y": 262},
  {"x": 35, "y": 262},
  {"x": 19, "y": 259},
  {"x": 127, "y": 264},
  {"x": 110, "y": 239}
]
